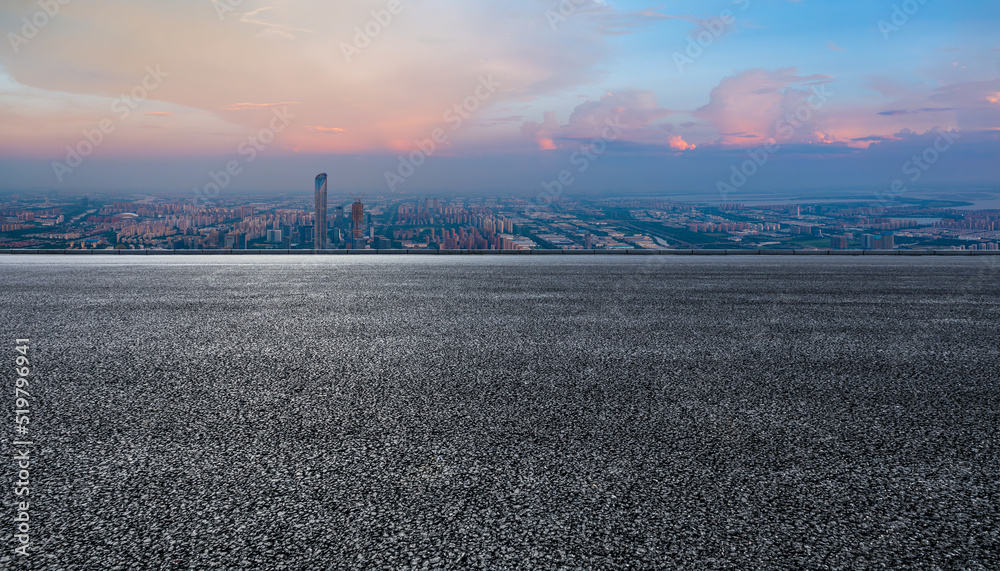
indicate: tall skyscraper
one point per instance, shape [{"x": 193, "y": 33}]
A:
[
  {"x": 358, "y": 220},
  {"x": 320, "y": 239}
]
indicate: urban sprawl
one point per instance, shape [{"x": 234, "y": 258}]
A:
[{"x": 32, "y": 221}]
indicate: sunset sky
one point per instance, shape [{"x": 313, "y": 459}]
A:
[{"x": 511, "y": 88}]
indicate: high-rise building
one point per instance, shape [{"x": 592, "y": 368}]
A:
[
  {"x": 838, "y": 242},
  {"x": 236, "y": 240},
  {"x": 320, "y": 239},
  {"x": 358, "y": 221}
]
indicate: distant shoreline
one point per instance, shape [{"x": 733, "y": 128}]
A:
[{"x": 426, "y": 252}]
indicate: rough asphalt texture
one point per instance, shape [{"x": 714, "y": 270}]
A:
[{"x": 508, "y": 413}]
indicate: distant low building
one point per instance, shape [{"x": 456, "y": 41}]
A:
[{"x": 878, "y": 242}]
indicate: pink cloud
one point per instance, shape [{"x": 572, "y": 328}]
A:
[
  {"x": 634, "y": 112},
  {"x": 543, "y": 132},
  {"x": 248, "y": 106},
  {"x": 546, "y": 145},
  {"x": 326, "y": 129},
  {"x": 916, "y": 107},
  {"x": 755, "y": 105},
  {"x": 394, "y": 93},
  {"x": 679, "y": 144}
]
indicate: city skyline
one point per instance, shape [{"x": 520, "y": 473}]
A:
[
  {"x": 502, "y": 97},
  {"x": 503, "y": 284},
  {"x": 393, "y": 223}
]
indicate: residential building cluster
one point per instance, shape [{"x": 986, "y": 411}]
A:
[{"x": 509, "y": 223}]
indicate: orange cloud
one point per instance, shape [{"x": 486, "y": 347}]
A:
[
  {"x": 677, "y": 143},
  {"x": 327, "y": 129},
  {"x": 401, "y": 86},
  {"x": 246, "y": 106}
]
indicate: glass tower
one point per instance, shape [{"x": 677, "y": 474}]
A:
[{"x": 321, "y": 238}]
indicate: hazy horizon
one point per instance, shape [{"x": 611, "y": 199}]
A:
[{"x": 388, "y": 97}]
